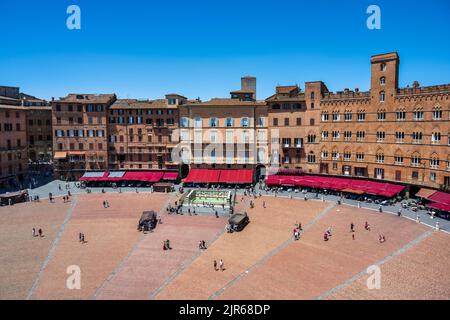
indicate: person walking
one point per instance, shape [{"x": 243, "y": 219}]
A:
[
  {"x": 215, "y": 265},
  {"x": 33, "y": 232},
  {"x": 40, "y": 232},
  {"x": 352, "y": 227},
  {"x": 221, "y": 266}
]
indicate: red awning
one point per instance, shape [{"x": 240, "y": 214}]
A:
[
  {"x": 203, "y": 176},
  {"x": 148, "y": 176},
  {"x": 236, "y": 176},
  {"x": 440, "y": 206},
  {"x": 170, "y": 176},
  {"x": 337, "y": 184},
  {"x": 440, "y": 197}
]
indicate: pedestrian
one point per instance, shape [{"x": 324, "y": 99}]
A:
[
  {"x": 59, "y": 186},
  {"x": 264, "y": 204},
  {"x": 221, "y": 266},
  {"x": 40, "y": 232},
  {"x": 367, "y": 226},
  {"x": 215, "y": 265},
  {"x": 33, "y": 232},
  {"x": 104, "y": 204},
  {"x": 399, "y": 213},
  {"x": 353, "y": 236},
  {"x": 352, "y": 227},
  {"x": 80, "y": 237}
]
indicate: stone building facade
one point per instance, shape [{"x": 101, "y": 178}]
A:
[
  {"x": 386, "y": 133},
  {"x": 140, "y": 133}
]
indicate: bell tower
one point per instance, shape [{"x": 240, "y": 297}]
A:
[{"x": 384, "y": 76}]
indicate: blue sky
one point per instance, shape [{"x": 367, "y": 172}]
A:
[{"x": 201, "y": 48}]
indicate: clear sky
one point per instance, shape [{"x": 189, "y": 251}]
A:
[{"x": 201, "y": 48}]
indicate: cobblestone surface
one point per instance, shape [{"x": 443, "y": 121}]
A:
[
  {"x": 110, "y": 233},
  {"x": 22, "y": 255},
  {"x": 269, "y": 228}
]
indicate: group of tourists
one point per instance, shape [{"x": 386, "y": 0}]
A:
[
  {"x": 297, "y": 230},
  {"x": 39, "y": 232},
  {"x": 202, "y": 245},
  {"x": 166, "y": 245},
  {"x": 219, "y": 266},
  {"x": 327, "y": 234},
  {"x": 81, "y": 238}
]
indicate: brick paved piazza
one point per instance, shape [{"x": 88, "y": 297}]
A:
[{"x": 261, "y": 262}]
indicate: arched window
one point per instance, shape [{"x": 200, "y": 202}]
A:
[
  {"x": 398, "y": 158},
  {"x": 383, "y": 67},
  {"x": 382, "y": 96},
  {"x": 382, "y": 81},
  {"x": 436, "y": 137},
  {"x": 415, "y": 159},
  {"x": 312, "y": 95},
  {"x": 437, "y": 113},
  {"x": 379, "y": 157},
  {"x": 434, "y": 161},
  {"x": 311, "y": 157}
]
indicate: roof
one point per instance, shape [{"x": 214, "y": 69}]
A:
[
  {"x": 12, "y": 107},
  {"x": 384, "y": 57},
  {"x": 87, "y": 98},
  {"x": 175, "y": 95},
  {"x": 45, "y": 108},
  {"x": 217, "y": 102},
  {"x": 141, "y": 104},
  {"x": 285, "y": 89},
  {"x": 242, "y": 91}
]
